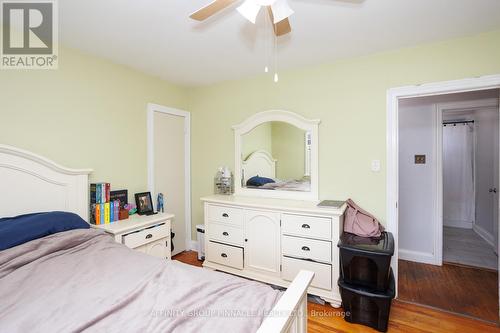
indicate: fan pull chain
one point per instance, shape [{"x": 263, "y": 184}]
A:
[
  {"x": 267, "y": 25},
  {"x": 276, "y": 78}
]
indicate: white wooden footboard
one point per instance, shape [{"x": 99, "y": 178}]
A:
[{"x": 289, "y": 315}]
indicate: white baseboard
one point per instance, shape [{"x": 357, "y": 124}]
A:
[
  {"x": 457, "y": 224},
  {"x": 193, "y": 246},
  {"x": 422, "y": 257},
  {"x": 489, "y": 238}
]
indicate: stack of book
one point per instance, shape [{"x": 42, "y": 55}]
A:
[{"x": 102, "y": 210}]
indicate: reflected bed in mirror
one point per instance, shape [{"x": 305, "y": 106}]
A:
[{"x": 276, "y": 156}]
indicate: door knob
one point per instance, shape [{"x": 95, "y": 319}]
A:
[{"x": 494, "y": 190}]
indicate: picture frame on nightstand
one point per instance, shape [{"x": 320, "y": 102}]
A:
[{"x": 144, "y": 203}]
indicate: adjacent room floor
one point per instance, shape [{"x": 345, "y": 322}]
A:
[
  {"x": 459, "y": 289},
  {"x": 405, "y": 317},
  {"x": 464, "y": 246}
]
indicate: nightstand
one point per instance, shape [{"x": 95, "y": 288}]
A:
[{"x": 147, "y": 234}]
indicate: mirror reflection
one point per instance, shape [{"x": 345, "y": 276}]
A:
[{"x": 276, "y": 156}]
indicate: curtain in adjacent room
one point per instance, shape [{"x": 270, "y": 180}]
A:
[{"x": 458, "y": 175}]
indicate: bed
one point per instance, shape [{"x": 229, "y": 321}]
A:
[
  {"x": 262, "y": 164},
  {"x": 82, "y": 280}
]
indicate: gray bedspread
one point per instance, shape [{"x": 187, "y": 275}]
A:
[{"x": 82, "y": 280}]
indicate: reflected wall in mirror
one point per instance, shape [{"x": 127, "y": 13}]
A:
[
  {"x": 277, "y": 156},
  {"x": 278, "y": 151}
]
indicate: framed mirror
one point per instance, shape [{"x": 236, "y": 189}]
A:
[{"x": 276, "y": 156}]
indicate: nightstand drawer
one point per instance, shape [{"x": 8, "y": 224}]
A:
[
  {"x": 225, "y": 214},
  {"x": 146, "y": 236},
  {"x": 225, "y": 233},
  {"x": 228, "y": 255},
  {"x": 307, "y": 248},
  {"x": 307, "y": 226}
]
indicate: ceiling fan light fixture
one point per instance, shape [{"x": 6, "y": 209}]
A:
[
  {"x": 249, "y": 9},
  {"x": 281, "y": 10}
]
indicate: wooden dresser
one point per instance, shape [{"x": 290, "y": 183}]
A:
[{"x": 271, "y": 240}]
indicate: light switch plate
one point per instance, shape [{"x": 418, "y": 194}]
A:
[
  {"x": 376, "y": 165},
  {"x": 419, "y": 159}
]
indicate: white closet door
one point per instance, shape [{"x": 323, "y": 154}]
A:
[
  {"x": 169, "y": 171},
  {"x": 262, "y": 243}
]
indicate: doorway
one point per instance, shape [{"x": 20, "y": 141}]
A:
[
  {"x": 470, "y": 182},
  {"x": 447, "y": 161},
  {"x": 169, "y": 170}
]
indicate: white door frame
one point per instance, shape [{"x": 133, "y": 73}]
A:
[
  {"x": 152, "y": 108},
  {"x": 484, "y": 104},
  {"x": 393, "y": 97}
]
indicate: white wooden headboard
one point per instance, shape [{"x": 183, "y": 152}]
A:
[
  {"x": 30, "y": 183},
  {"x": 260, "y": 163}
]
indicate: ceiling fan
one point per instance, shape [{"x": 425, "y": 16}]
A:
[{"x": 278, "y": 10}]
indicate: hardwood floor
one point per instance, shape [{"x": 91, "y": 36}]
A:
[
  {"x": 405, "y": 317},
  {"x": 454, "y": 288}
]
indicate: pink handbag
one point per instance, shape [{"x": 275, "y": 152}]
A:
[{"x": 359, "y": 222}]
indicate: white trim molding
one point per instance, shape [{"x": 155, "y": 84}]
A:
[
  {"x": 308, "y": 125},
  {"x": 394, "y": 95},
  {"x": 152, "y": 108},
  {"x": 489, "y": 238},
  {"x": 422, "y": 257},
  {"x": 450, "y": 107},
  {"x": 193, "y": 246}
]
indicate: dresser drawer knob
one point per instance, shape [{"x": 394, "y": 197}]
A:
[
  {"x": 305, "y": 248},
  {"x": 306, "y": 226},
  {"x": 148, "y": 236},
  {"x": 225, "y": 233},
  {"x": 225, "y": 215},
  {"x": 223, "y": 255}
]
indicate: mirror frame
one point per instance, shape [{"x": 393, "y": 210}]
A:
[{"x": 308, "y": 125}]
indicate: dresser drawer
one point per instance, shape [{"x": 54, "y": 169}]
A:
[
  {"x": 307, "y": 248},
  {"x": 225, "y": 214},
  {"x": 227, "y": 255},
  {"x": 307, "y": 226},
  {"x": 146, "y": 236},
  {"x": 322, "y": 272},
  {"x": 225, "y": 233}
]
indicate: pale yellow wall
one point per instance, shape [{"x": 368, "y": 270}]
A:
[
  {"x": 258, "y": 138},
  {"x": 289, "y": 150},
  {"x": 350, "y": 99},
  {"x": 90, "y": 113}
]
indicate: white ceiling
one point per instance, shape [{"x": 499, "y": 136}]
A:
[{"x": 157, "y": 37}]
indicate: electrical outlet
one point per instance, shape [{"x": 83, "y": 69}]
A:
[{"x": 376, "y": 165}]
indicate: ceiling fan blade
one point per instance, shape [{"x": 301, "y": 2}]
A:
[
  {"x": 209, "y": 10},
  {"x": 282, "y": 27},
  {"x": 249, "y": 9},
  {"x": 281, "y": 10}
]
